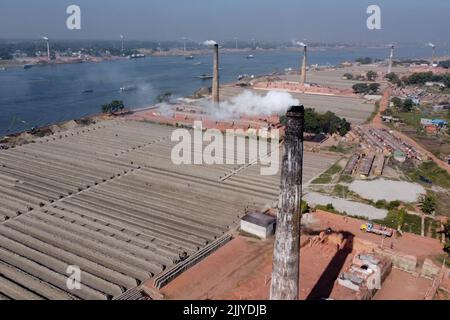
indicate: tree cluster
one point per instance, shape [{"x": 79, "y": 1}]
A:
[
  {"x": 366, "y": 60},
  {"x": 445, "y": 64},
  {"x": 405, "y": 106},
  {"x": 420, "y": 78},
  {"x": 364, "y": 88},
  {"x": 327, "y": 123},
  {"x": 113, "y": 107}
]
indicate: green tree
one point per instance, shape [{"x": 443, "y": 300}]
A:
[
  {"x": 428, "y": 204},
  {"x": 361, "y": 88},
  {"x": 408, "y": 105},
  {"x": 445, "y": 64},
  {"x": 446, "y": 232},
  {"x": 393, "y": 205},
  {"x": 113, "y": 107},
  {"x": 164, "y": 97},
  {"x": 304, "y": 207},
  {"x": 374, "y": 88},
  {"x": 348, "y": 76},
  {"x": 398, "y": 103},
  {"x": 371, "y": 75},
  {"x": 393, "y": 78},
  {"x": 366, "y": 60}
]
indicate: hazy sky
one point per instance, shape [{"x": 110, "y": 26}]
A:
[{"x": 316, "y": 20}]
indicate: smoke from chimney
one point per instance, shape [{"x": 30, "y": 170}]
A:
[
  {"x": 209, "y": 43},
  {"x": 250, "y": 104},
  {"x": 286, "y": 256}
]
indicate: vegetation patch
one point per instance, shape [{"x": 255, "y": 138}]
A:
[
  {"x": 327, "y": 123},
  {"x": 327, "y": 176},
  {"x": 430, "y": 171},
  {"x": 341, "y": 191},
  {"x": 375, "y": 112}
]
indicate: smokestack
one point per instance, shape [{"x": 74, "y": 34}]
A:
[
  {"x": 47, "y": 41},
  {"x": 286, "y": 256},
  {"x": 303, "y": 71},
  {"x": 433, "y": 57},
  {"x": 122, "y": 43},
  {"x": 391, "y": 58},
  {"x": 215, "y": 83},
  {"x": 48, "y": 50}
]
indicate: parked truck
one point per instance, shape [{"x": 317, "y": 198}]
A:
[{"x": 379, "y": 230}]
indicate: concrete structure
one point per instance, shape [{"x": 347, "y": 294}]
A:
[
  {"x": 407, "y": 263},
  {"x": 351, "y": 165},
  {"x": 366, "y": 274},
  {"x": 367, "y": 166},
  {"x": 286, "y": 257},
  {"x": 399, "y": 156},
  {"x": 378, "y": 165},
  {"x": 258, "y": 224},
  {"x": 215, "y": 81}
]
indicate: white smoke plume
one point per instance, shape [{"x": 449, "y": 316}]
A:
[
  {"x": 209, "y": 43},
  {"x": 165, "y": 109},
  {"x": 431, "y": 45},
  {"x": 299, "y": 43},
  {"x": 251, "y": 104}
]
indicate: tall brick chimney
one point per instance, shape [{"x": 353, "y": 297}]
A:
[
  {"x": 286, "y": 256},
  {"x": 215, "y": 82},
  {"x": 304, "y": 63}
]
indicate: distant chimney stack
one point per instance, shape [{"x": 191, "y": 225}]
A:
[
  {"x": 286, "y": 256},
  {"x": 391, "y": 58},
  {"x": 215, "y": 83},
  {"x": 433, "y": 57},
  {"x": 303, "y": 71}
]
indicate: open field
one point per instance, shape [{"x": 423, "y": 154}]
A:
[
  {"x": 333, "y": 77},
  {"x": 108, "y": 198}
]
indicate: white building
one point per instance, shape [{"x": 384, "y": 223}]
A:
[{"x": 258, "y": 224}]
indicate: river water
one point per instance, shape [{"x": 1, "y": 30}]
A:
[{"x": 48, "y": 94}]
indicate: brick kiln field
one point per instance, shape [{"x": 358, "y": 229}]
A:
[
  {"x": 355, "y": 110},
  {"x": 108, "y": 199}
]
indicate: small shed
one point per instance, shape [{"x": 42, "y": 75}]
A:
[{"x": 258, "y": 224}]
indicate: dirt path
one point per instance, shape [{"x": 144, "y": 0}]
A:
[{"x": 384, "y": 104}]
